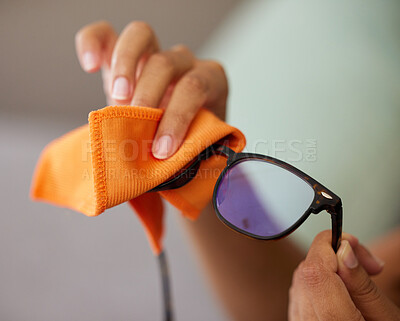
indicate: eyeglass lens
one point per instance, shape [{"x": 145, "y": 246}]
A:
[{"x": 262, "y": 198}]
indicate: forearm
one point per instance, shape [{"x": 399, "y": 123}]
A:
[{"x": 251, "y": 277}]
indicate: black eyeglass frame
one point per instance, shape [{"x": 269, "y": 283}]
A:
[{"x": 324, "y": 199}]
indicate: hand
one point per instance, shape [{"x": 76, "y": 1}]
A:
[
  {"x": 135, "y": 71},
  {"x": 326, "y": 286}
]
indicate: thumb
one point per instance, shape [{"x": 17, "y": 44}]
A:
[{"x": 367, "y": 297}]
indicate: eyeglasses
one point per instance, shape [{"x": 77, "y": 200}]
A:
[{"x": 261, "y": 197}]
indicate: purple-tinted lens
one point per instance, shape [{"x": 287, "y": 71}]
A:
[{"x": 262, "y": 198}]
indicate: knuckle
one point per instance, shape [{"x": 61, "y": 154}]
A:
[
  {"x": 143, "y": 101},
  {"x": 194, "y": 82},
  {"x": 216, "y": 65},
  {"x": 184, "y": 50},
  {"x": 181, "y": 47},
  {"x": 367, "y": 291},
  {"x": 122, "y": 60},
  {"x": 180, "y": 119},
  {"x": 216, "y": 72},
  {"x": 140, "y": 26},
  {"x": 104, "y": 24},
  {"x": 162, "y": 60},
  {"x": 313, "y": 274}
]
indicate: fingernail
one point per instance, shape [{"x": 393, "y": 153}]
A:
[
  {"x": 347, "y": 256},
  {"x": 121, "y": 89},
  {"x": 378, "y": 260},
  {"x": 89, "y": 61},
  {"x": 163, "y": 147}
]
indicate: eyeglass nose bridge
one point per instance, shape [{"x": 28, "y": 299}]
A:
[
  {"x": 221, "y": 149},
  {"x": 190, "y": 171}
]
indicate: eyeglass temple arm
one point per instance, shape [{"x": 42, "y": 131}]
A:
[
  {"x": 188, "y": 173},
  {"x": 337, "y": 222}
]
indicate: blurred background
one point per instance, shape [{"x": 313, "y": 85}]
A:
[{"x": 315, "y": 83}]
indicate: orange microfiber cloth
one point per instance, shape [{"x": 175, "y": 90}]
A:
[{"x": 109, "y": 161}]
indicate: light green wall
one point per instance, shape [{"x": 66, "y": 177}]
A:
[{"x": 327, "y": 71}]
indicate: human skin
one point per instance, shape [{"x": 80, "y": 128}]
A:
[
  {"x": 252, "y": 278},
  {"x": 387, "y": 248},
  {"x": 339, "y": 287},
  {"x": 137, "y": 72}
]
